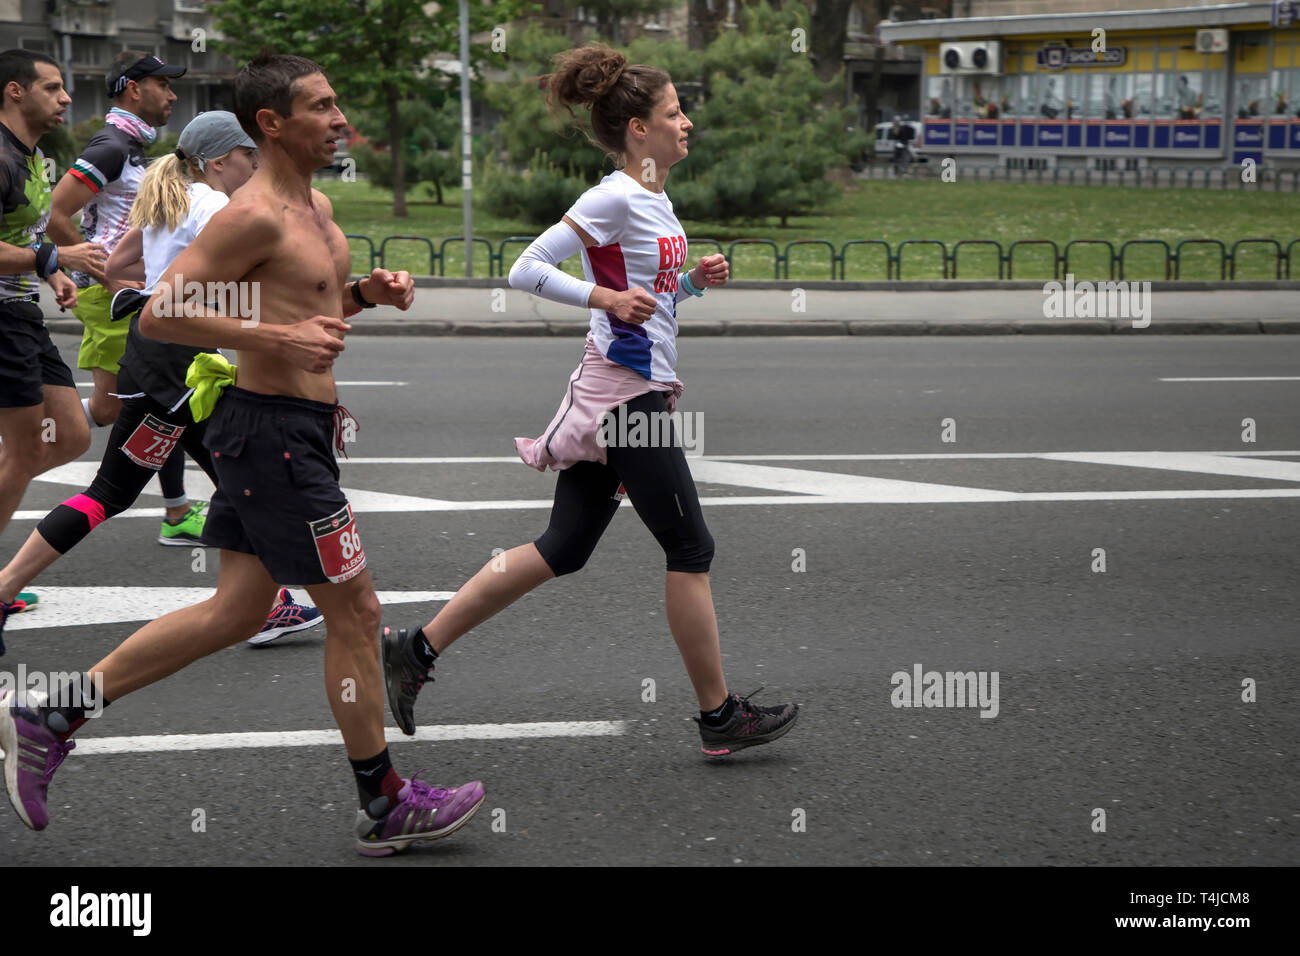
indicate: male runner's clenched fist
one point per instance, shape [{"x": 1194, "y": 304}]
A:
[{"x": 390, "y": 288}]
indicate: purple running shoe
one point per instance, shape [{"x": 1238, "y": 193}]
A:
[
  {"x": 423, "y": 812},
  {"x": 31, "y": 755}
]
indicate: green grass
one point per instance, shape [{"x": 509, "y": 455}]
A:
[{"x": 894, "y": 211}]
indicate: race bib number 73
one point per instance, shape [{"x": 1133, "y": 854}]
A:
[
  {"x": 338, "y": 545},
  {"x": 151, "y": 442}
]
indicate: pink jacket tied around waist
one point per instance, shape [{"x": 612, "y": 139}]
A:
[{"x": 596, "y": 386}]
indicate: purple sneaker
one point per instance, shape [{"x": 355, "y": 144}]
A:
[
  {"x": 31, "y": 754},
  {"x": 422, "y": 813}
]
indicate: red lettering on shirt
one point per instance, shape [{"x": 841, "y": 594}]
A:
[
  {"x": 667, "y": 252},
  {"x": 672, "y": 255}
]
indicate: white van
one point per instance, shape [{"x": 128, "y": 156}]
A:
[{"x": 885, "y": 145}]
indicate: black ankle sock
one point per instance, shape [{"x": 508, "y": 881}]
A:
[
  {"x": 64, "y": 720},
  {"x": 720, "y": 716},
  {"x": 377, "y": 783},
  {"x": 424, "y": 654}
]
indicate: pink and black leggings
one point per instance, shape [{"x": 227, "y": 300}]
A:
[{"x": 120, "y": 478}]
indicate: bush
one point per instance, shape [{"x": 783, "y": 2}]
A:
[{"x": 539, "y": 196}]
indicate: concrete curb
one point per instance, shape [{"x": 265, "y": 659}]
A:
[{"x": 812, "y": 327}]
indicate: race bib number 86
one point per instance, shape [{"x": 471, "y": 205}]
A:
[{"x": 338, "y": 545}]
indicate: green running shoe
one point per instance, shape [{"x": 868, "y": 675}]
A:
[{"x": 186, "y": 532}]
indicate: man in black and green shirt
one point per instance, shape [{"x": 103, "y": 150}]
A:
[{"x": 41, "y": 422}]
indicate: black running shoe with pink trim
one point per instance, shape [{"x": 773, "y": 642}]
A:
[
  {"x": 403, "y": 675},
  {"x": 749, "y": 726}
]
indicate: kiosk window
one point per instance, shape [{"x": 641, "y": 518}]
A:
[{"x": 938, "y": 98}]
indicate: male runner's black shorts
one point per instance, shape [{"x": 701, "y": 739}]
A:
[
  {"x": 278, "y": 493},
  {"x": 28, "y": 357}
]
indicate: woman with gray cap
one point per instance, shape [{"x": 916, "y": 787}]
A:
[{"x": 177, "y": 197}]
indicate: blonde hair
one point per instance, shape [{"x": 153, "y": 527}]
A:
[{"x": 163, "y": 198}]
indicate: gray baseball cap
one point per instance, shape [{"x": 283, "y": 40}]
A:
[{"x": 212, "y": 134}]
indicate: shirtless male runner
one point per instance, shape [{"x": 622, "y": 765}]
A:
[{"x": 278, "y": 513}]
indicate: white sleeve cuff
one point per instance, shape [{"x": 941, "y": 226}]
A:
[
  {"x": 681, "y": 295},
  {"x": 535, "y": 271}
]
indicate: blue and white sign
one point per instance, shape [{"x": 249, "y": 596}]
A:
[
  {"x": 938, "y": 134},
  {"x": 1051, "y": 134},
  {"x": 1119, "y": 137},
  {"x": 1248, "y": 136},
  {"x": 1285, "y": 13}
]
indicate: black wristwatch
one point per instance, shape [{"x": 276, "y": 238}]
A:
[{"x": 356, "y": 296}]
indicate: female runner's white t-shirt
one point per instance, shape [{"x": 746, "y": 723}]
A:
[
  {"x": 163, "y": 245},
  {"x": 638, "y": 242}
]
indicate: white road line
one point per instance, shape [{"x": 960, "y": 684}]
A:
[
  {"x": 77, "y": 606},
  {"x": 1239, "y": 378},
  {"x": 100, "y": 746},
  {"x": 936, "y": 456},
  {"x": 808, "y": 486},
  {"x": 1200, "y": 464},
  {"x": 832, "y": 485},
  {"x": 963, "y": 456},
  {"x": 962, "y": 497}
]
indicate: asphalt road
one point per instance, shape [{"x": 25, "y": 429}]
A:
[{"x": 1118, "y": 691}]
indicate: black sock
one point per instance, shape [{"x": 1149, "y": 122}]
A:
[
  {"x": 377, "y": 783},
  {"x": 64, "y": 720},
  {"x": 720, "y": 716},
  {"x": 424, "y": 654}
]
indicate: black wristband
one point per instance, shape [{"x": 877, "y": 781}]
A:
[
  {"x": 356, "y": 296},
  {"x": 47, "y": 259}
]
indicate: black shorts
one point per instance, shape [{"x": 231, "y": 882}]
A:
[
  {"x": 278, "y": 494},
  {"x": 28, "y": 357}
]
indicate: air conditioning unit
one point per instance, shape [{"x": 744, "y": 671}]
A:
[
  {"x": 977, "y": 56},
  {"x": 1211, "y": 41}
]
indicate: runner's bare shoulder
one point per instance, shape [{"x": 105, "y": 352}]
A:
[
  {"x": 323, "y": 203},
  {"x": 249, "y": 227}
]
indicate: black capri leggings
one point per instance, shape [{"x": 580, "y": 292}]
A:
[
  {"x": 121, "y": 478},
  {"x": 659, "y": 483}
]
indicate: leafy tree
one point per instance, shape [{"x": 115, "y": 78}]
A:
[
  {"x": 431, "y": 143},
  {"x": 765, "y": 137},
  {"x": 526, "y": 126},
  {"x": 377, "y": 53}
]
